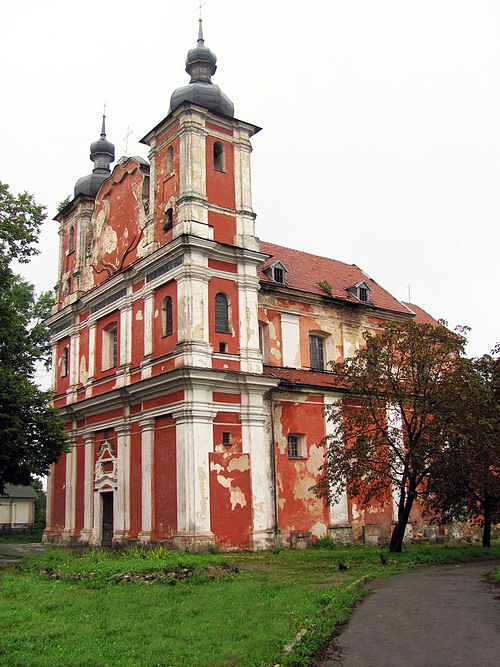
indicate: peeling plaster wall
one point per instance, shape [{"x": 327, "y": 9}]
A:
[
  {"x": 230, "y": 499},
  {"x": 298, "y": 507},
  {"x": 165, "y": 479}
]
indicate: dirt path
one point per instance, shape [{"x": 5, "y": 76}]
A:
[{"x": 446, "y": 616}]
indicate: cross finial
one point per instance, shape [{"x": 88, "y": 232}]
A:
[
  {"x": 125, "y": 138},
  {"x": 200, "y": 5}
]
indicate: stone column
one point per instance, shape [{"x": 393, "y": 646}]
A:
[
  {"x": 256, "y": 440},
  {"x": 245, "y": 219},
  {"x": 194, "y": 441},
  {"x": 148, "y": 334},
  {"x": 122, "y": 494},
  {"x": 248, "y": 286},
  {"x": 86, "y": 536},
  {"x": 69, "y": 516},
  {"x": 73, "y": 366},
  {"x": 192, "y": 313},
  {"x": 340, "y": 528},
  {"x": 125, "y": 344},
  {"x": 147, "y": 449},
  {"x": 92, "y": 347}
]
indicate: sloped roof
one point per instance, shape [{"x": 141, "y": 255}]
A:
[
  {"x": 14, "y": 491},
  {"x": 306, "y": 270},
  {"x": 421, "y": 316},
  {"x": 306, "y": 378}
]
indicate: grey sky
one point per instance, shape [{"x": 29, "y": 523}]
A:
[{"x": 381, "y": 125}]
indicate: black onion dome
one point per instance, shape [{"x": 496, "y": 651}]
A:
[
  {"x": 201, "y": 65},
  {"x": 102, "y": 154}
]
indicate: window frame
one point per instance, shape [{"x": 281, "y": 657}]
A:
[
  {"x": 65, "y": 362},
  {"x": 169, "y": 160},
  {"x": 219, "y": 156},
  {"x": 110, "y": 346},
  {"x": 168, "y": 219},
  {"x": 296, "y": 446},
  {"x": 314, "y": 355},
  {"x": 167, "y": 317},
  {"x": 223, "y": 327},
  {"x": 71, "y": 239}
]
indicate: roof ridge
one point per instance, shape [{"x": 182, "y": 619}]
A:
[{"x": 303, "y": 252}]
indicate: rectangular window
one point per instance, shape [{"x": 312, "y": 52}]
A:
[
  {"x": 109, "y": 347},
  {"x": 316, "y": 349},
  {"x": 279, "y": 275},
  {"x": 296, "y": 446},
  {"x": 363, "y": 294},
  {"x": 226, "y": 438}
]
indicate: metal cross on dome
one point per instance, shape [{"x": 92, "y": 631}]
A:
[{"x": 200, "y": 5}]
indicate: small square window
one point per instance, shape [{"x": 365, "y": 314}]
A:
[
  {"x": 226, "y": 438},
  {"x": 223, "y": 348},
  {"x": 295, "y": 446}
]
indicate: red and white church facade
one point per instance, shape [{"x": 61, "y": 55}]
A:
[{"x": 190, "y": 358}]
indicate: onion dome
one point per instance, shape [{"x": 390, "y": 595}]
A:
[
  {"x": 102, "y": 154},
  {"x": 201, "y": 66}
]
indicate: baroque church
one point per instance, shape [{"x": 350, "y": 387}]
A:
[{"x": 190, "y": 359}]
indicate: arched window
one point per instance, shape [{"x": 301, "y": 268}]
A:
[
  {"x": 64, "y": 362},
  {"x": 221, "y": 313},
  {"x": 166, "y": 314},
  {"x": 71, "y": 239},
  {"x": 168, "y": 220},
  {"x": 219, "y": 156},
  {"x": 169, "y": 165}
]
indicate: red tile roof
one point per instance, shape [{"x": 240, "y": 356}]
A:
[
  {"x": 421, "y": 317},
  {"x": 297, "y": 376},
  {"x": 306, "y": 270}
]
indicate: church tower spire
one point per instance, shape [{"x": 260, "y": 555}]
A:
[
  {"x": 201, "y": 66},
  {"x": 102, "y": 154}
]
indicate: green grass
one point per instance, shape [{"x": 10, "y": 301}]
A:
[
  {"x": 496, "y": 575},
  {"x": 21, "y": 538},
  {"x": 233, "y": 619}
]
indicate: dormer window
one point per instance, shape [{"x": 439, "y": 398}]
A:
[
  {"x": 363, "y": 294},
  {"x": 361, "y": 291},
  {"x": 278, "y": 275},
  {"x": 277, "y": 272}
]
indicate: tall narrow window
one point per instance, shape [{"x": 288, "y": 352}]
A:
[
  {"x": 221, "y": 313},
  {"x": 264, "y": 341},
  {"x": 110, "y": 347},
  {"x": 169, "y": 165},
  {"x": 167, "y": 316},
  {"x": 64, "y": 362},
  {"x": 168, "y": 220},
  {"x": 219, "y": 156},
  {"x": 316, "y": 349},
  {"x": 71, "y": 239}
]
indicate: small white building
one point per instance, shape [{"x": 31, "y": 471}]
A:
[{"x": 17, "y": 507}]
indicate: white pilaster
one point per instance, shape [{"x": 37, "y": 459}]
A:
[
  {"x": 92, "y": 346},
  {"x": 147, "y": 449},
  {"x": 88, "y": 499},
  {"x": 290, "y": 333},
  {"x": 339, "y": 514},
  {"x": 122, "y": 494},
  {"x": 192, "y": 313},
  {"x": 194, "y": 441},
  {"x": 248, "y": 285},
  {"x": 148, "y": 334},
  {"x": 256, "y": 441},
  {"x": 395, "y": 430}
]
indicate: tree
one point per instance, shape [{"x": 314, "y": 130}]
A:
[
  {"x": 466, "y": 483},
  {"x": 31, "y": 431},
  {"x": 388, "y": 437}
]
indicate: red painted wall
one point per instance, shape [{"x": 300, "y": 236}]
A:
[
  {"x": 230, "y": 499},
  {"x": 298, "y": 507},
  {"x": 80, "y": 485},
  {"x": 58, "y": 498},
  {"x": 167, "y": 189},
  {"x": 165, "y": 479},
  {"x": 220, "y": 184},
  {"x": 135, "y": 481},
  {"x": 224, "y": 227}
]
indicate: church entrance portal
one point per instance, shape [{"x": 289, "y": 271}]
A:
[{"x": 107, "y": 519}]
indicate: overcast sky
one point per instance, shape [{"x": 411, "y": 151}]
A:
[{"x": 381, "y": 125}]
